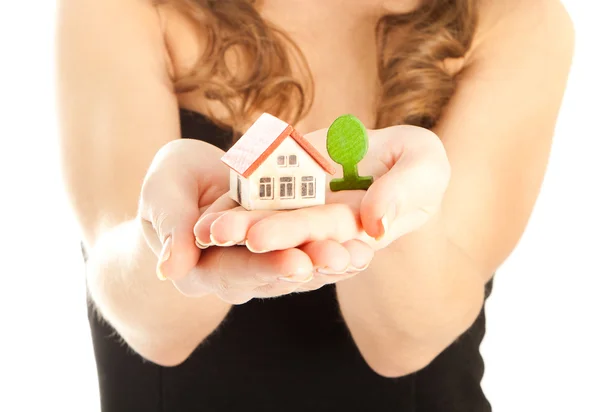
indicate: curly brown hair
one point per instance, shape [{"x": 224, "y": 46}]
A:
[{"x": 415, "y": 87}]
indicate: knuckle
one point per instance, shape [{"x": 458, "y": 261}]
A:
[
  {"x": 167, "y": 150},
  {"x": 160, "y": 158},
  {"x": 161, "y": 170}
]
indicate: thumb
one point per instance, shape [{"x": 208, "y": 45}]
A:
[
  {"x": 171, "y": 237},
  {"x": 379, "y": 207},
  {"x": 183, "y": 176},
  {"x": 405, "y": 197},
  {"x": 169, "y": 209}
]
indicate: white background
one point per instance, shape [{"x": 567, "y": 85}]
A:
[{"x": 542, "y": 349}]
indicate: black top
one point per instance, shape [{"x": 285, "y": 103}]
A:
[{"x": 286, "y": 354}]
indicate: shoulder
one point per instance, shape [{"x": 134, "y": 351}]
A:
[
  {"x": 185, "y": 35},
  {"x": 99, "y": 35},
  {"x": 523, "y": 31}
]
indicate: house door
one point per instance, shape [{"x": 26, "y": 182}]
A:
[{"x": 239, "y": 190}]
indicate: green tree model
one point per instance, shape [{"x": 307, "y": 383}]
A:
[{"x": 347, "y": 144}]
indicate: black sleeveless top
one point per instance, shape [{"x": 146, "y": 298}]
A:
[{"x": 288, "y": 354}]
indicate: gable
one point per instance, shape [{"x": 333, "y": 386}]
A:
[
  {"x": 259, "y": 142},
  {"x": 248, "y": 152},
  {"x": 305, "y": 163}
]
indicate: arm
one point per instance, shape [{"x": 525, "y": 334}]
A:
[
  {"x": 426, "y": 289},
  {"x": 117, "y": 109}
]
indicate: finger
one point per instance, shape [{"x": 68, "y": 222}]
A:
[
  {"x": 167, "y": 223},
  {"x": 243, "y": 267},
  {"x": 359, "y": 256},
  {"x": 414, "y": 184},
  {"x": 271, "y": 290},
  {"x": 231, "y": 228},
  {"x": 170, "y": 237},
  {"x": 339, "y": 222},
  {"x": 223, "y": 203},
  {"x": 194, "y": 287},
  {"x": 313, "y": 285},
  {"x": 222, "y": 270},
  {"x": 321, "y": 280},
  {"x": 328, "y": 256},
  {"x": 360, "y": 253},
  {"x": 201, "y": 228}
]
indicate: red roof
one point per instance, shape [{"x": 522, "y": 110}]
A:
[{"x": 259, "y": 142}]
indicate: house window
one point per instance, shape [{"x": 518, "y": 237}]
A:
[
  {"x": 265, "y": 190},
  {"x": 286, "y": 187},
  {"x": 308, "y": 187},
  {"x": 283, "y": 161}
]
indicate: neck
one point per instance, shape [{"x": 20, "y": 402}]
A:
[
  {"x": 324, "y": 23},
  {"x": 317, "y": 14},
  {"x": 355, "y": 12}
]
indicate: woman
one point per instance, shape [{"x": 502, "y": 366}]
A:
[{"x": 370, "y": 302}]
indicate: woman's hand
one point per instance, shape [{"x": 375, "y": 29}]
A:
[
  {"x": 185, "y": 178},
  {"x": 411, "y": 174}
]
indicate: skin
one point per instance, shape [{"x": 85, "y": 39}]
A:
[{"x": 457, "y": 200}]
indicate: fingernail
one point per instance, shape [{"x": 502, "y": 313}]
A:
[
  {"x": 297, "y": 278},
  {"x": 221, "y": 244},
  {"x": 212, "y": 238},
  {"x": 330, "y": 271},
  {"x": 165, "y": 254},
  {"x": 389, "y": 217},
  {"x": 206, "y": 217},
  {"x": 251, "y": 249},
  {"x": 226, "y": 244},
  {"x": 357, "y": 269},
  {"x": 201, "y": 245}
]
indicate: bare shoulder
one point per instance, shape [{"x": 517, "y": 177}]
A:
[
  {"x": 185, "y": 38},
  {"x": 109, "y": 31},
  {"x": 524, "y": 31}
]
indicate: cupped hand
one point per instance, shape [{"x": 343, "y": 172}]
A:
[
  {"x": 411, "y": 172},
  {"x": 238, "y": 275},
  {"x": 187, "y": 177}
]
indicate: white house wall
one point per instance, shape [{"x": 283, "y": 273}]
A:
[
  {"x": 306, "y": 167},
  {"x": 245, "y": 189},
  {"x": 245, "y": 192}
]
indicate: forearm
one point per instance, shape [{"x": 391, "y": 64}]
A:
[
  {"x": 416, "y": 298},
  {"x": 156, "y": 320}
]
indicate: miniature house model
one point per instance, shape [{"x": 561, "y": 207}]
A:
[{"x": 274, "y": 167}]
